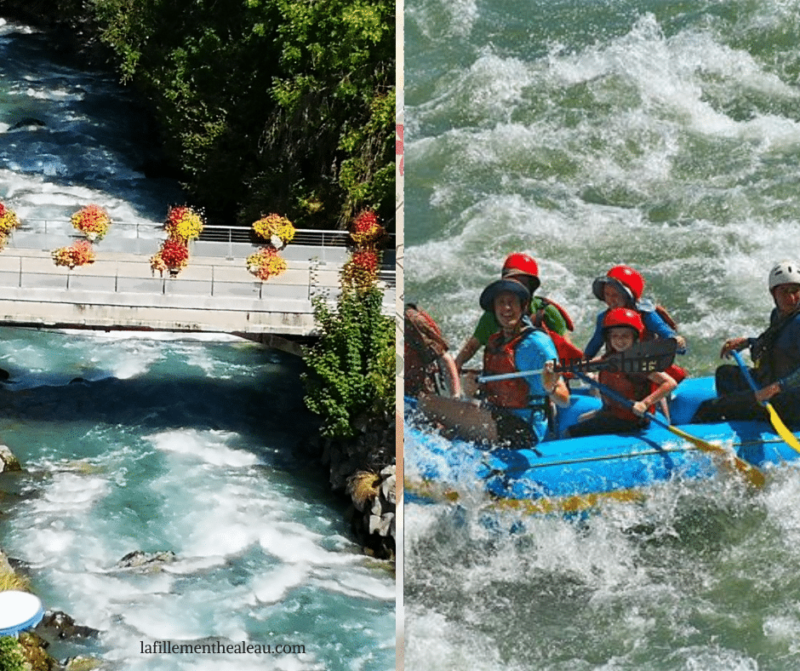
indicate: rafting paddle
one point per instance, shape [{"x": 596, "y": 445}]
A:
[
  {"x": 753, "y": 475},
  {"x": 774, "y": 418},
  {"x": 647, "y": 356}
]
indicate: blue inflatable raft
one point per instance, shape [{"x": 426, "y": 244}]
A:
[{"x": 568, "y": 475}]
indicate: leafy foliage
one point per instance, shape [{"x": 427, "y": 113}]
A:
[
  {"x": 351, "y": 367},
  {"x": 12, "y": 657},
  {"x": 267, "y": 105}
]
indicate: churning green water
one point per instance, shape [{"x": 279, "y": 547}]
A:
[{"x": 665, "y": 135}]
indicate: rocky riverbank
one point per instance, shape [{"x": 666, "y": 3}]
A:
[{"x": 363, "y": 469}]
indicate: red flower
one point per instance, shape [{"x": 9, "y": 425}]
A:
[
  {"x": 366, "y": 259},
  {"x": 174, "y": 253}
]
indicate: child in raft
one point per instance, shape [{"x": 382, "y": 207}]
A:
[
  {"x": 621, "y": 328},
  {"x": 622, "y": 287}
]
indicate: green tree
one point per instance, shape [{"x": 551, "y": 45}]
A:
[{"x": 267, "y": 105}]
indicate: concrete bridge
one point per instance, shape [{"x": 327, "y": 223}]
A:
[{"x": 214, "y": 293}]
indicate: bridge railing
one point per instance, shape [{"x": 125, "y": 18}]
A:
[
  {"x": 299, "y": 284},
  {"x": 216, "y": 241}
]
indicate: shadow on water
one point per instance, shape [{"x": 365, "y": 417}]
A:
[{"x": 206, "y": 404}]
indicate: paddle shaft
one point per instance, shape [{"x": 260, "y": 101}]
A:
[
  {"x": 753, "y": 474},
  {"x": 649, "y": 356},
  {"x": 745, "y": 371}
]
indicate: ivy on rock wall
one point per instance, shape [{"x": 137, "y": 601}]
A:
[{"x": 264, "y": 105}]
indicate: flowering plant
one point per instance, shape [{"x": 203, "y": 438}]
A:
[
  {"x": 157, "y": 263},
  {"x": 8, "y": 219},
  {"x": 93, "y": 221},
  {"x": 184, "y": 223},
  {"x": 274, "y": 225},
  {"x": 174, "y": 254},
  {"x": 365, "y": 228},
  {"x": 266, "y": 263},
  {"x": 361, "y": 271},
  {"x": 77, "y": 254}
]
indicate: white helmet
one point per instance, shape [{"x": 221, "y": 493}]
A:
[{"x": 786, "y": 272}]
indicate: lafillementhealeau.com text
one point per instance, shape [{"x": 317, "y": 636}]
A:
[{"x": 218, "y": 648}]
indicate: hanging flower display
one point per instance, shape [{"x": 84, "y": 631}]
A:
[
  {"x": 93, "y": 221},
  {"x": 174, "y": 254},
  {"x": 366, "y": 229},
  {"x": 77, "y": 254},
  {"x": 184, "y": 223},
  {"x": 274, "y": 228},
  {"x": 361, "y": 270},
  {"x": 157, "y": 263},
  {"x": 8, "y": 220},
  {"x": 266, "y": 263}
]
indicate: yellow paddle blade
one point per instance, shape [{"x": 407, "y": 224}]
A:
[
  {"x": 753, "y": 475},
  {"x": 781, "y": 428}
]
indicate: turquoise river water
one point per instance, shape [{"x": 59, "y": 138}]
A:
[{"x": 159, "y": 442}]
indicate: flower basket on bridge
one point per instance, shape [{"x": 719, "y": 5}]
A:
[
  {"x": 276, "y": 229},
  {"x": 174, "y": 255},
  {"x": 93, "y": 221},
  {"x": 8, "y": 220},
  {"x": 78, "y": 253},
  {"x": 361, "y": 271},
  {"x": 184, "y": 223},
  {"x": 365, "y": 229},
  {"x": 266, "y": 263}
]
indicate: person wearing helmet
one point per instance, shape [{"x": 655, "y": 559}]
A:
[
  {"x": 544, "y": 313},
  {"x": 776, "y": 353},
  {"x": 429, "y": 366},
  {"x": 622, "y": 287},
  {"x": 515, "y": 411},
  {"x": 622, "y": 327}
]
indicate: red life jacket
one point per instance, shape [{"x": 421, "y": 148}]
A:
[
  {"x": 498, "y": 358},
  {"x": 538, "y": 317},
  {"x": 633, "y": 386}
]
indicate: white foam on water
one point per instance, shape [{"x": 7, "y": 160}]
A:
[
  {"x": 293, "y": 543},
  {"x": 273, "y": 586},
  {"x": 358, "y": 585},
  {"x": 209, "y": 447},
  {"x": 438, "y": 19}
]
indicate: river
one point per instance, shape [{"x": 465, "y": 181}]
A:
[
  {"x": 664, "y": 135},
  {"x": 161, "y": 443}
]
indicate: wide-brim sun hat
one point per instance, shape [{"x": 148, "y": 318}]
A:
[{"x": 499, "y": 286}]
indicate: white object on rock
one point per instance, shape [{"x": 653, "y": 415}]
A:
[{"x": 19, "y": 611}]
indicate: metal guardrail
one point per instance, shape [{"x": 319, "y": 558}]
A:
[
  {"x": 29, "y": 274},
  {"x": 228, "y": 234}
]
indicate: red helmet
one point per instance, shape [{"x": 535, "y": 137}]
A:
[
  {"x": 522, "y": 264},
  {"x": 624, "y": 317},
  {"x": 624, "y": 278}
]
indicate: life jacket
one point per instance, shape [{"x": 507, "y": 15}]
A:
[
  {"x": 538, "y": 317},
  {"x": 633, "y": 386},
  {"x": 773, "y": 363},
  {"x": 567, "y": 352},
  {"x": 661, "y": 311},
  {"x": 423, "y": 344},
  {"x": 498, "y": 358}
]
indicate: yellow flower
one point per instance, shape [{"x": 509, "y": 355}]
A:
[
  {"x": 93, "y": 221},
  {"x": 276, "y": 225},
  {"x": 184, "y": 223}
]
